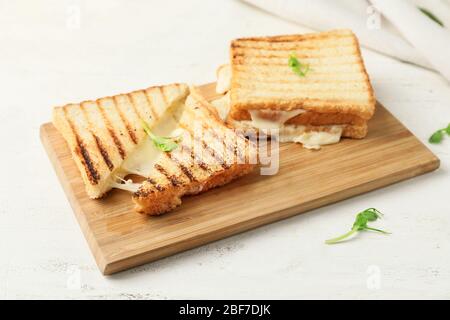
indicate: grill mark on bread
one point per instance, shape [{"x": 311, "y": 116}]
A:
[
  {"x": 204, "y": 166},
  {"x": 93, "y": 175},
  {"x": 133, "y": 106},
  {"x": 142, "y": 193},
  {"x": 200, "y": 163},
  {"x": 298, "y": 38},
  {"x": 280, "y": 53},
  {"x": 248, "y": 144},
  {"x": 241, "y": 51},
  {"x": 111, "y": 131},
  {"x": 242, "y": 69},
  {"x": 173, "y": 179},
  {"x": 166, "y": 102},
  {"x": 261, "y": 61},
  {"x": 294, "y": 81},
  {"x": 87, "y": 162},
  {"x": 210, "y": 150},
  {"x": 216, "y": 156},
  {"x": 155, "y": 184},
  {"x": 99, "y": 145},
  {"x": 124, "y": 121},
  {"x": 188, "y": 173},
  {"x": 232, "y": 149},
  {"x": 344, "y": 53},
  {"x": 239, "y": 153},
  {"x": 150, "y": 105},
  {"x": 104, "y": 153}
]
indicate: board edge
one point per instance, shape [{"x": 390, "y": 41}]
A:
[{"x": 97, "y": 253}]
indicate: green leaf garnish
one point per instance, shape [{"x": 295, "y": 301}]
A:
[
  {"x": 438, "y": 136},
  {"x": 430, "y": 15},
  {"x": 165, "y": 144},
  {"x": 296, "y": 66},
  {"x": 360, "y": 224}
]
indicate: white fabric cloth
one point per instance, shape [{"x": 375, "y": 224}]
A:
[
  {"x": 393, "y": 27},
  {"x": 429, "y": 38}
]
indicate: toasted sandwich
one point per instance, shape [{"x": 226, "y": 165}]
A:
[
  {"x": 313, "y": 88},
  {"x": 106, "y": 136},
  {"x": 117, "y": 137},
  {"x": 209, "y": 155}
]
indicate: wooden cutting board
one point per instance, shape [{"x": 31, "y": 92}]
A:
[{"x": 121, "y": 238}]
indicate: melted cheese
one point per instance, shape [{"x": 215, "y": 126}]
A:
[
  {"x": 297, "y": 133},
  {"x": 268, "y": 119},
  {"x": 141, "y": 162},
  {"x": 310, "y": 139},
  {"x": 127, "y": 185}
]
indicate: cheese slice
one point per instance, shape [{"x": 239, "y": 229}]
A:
[
  {"x": 127, "y": 185},
  {"x": 141, "y": 162},
  {"x": 298, "y": 134},
  {"x": 272, "y": 119},
  {"x": 310, "y": 139}
]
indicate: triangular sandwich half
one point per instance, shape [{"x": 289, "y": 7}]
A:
[
  {"x": 106, "y": 136},
  {"x": 209, "y": 155}
]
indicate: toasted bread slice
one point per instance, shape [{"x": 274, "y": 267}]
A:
[
  {"x": 222, "y": 105},
  {"x": 209, "y": 155},
  {"x": 337, "y": 81},
  {"x": 102, "y": 134},
  {"x": 352, "y": 126}
]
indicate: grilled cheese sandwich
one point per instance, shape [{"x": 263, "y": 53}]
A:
[
  {"x": 106, "y": 137},
  {"x": 108, "y": 143},
  {"x": 209, "y": 155},
  {"x": 265, "y": 93}
]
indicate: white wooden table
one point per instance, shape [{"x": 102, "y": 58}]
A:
[{"x": 47, "y": 58}]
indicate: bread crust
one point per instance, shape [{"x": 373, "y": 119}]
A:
[{"x": 159, "y": 202}]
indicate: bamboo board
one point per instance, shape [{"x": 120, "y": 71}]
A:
[{"x": 120, "y": 238}]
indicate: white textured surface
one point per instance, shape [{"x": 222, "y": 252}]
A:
[{"x": 122, "y": 47}]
